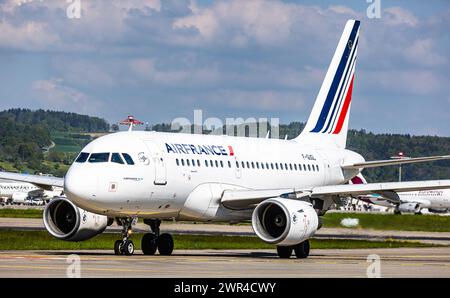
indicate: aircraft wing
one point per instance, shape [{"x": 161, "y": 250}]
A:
[
  {"x": 44, "y": 182},
  {"x": 242, "y": 199},
  {"x": 369, "y": 188},
  {"x": 390, "y": 162}
]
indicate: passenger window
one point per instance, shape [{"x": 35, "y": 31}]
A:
[
  {"x": 276, "y": 165},
  {"x": 309, "y": 168},
  {"x": 115, "y": 157},
  {"x": 206, "y": 163},
  {"x": 304, "y": 167},
  {"x": 82, "y": 157},
  {"x": 217, "y": 163},
  {"x": 178, "y": 162},
  {"x": 229, "y": 164},
  {"x": 243, "y": 165},
  {"x": 290, "y": 166},
  {"x": 281, "y": 166},
  {"x": 271, "y": 165},
  {"x": 211, "y": 163},
  {"x": 237, "y": 164},
  {"x": 262, "y": 165},
  {"x": 187, "y": 162},
  {"x": 248, "y": 165},
  {"x": 99, "y": 157},
  {"x": 257, "y": 165},
  {"x": 193, "y": 163},
  {"x": 182, "y": 162},
  {"x": 253, "y": 165},
  {"x": 221, "y": 164},
  {"x": 198, "y": 162},
  {"x": 295, "y": 166},
  {"x": 128, "y": 158}
]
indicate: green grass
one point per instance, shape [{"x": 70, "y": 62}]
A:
[
  {"x": 41, "y": 240},
  {"x": 405, "y": 222},
  {"x": 428, "y": 223},
  {"x": 20, "y": 213}
]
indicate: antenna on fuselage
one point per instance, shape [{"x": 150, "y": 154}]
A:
[{"x": 131, "y": 122}]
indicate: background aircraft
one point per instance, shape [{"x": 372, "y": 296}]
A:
[
  {"x": 13, "y": 192},
  {"x": 436, "y": 201}
]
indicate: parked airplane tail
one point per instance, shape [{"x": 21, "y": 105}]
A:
[{"x": 328, "y": 123}]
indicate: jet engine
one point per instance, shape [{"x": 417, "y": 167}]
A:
[
  {"x": 284, "y": 222},
  {"x": 65, "y": 221},
  {"x": 409, "y": 207}
]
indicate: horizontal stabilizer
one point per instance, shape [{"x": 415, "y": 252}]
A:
[
  {"x": 380, "y": 188},
  {"x": 391, "y": 162}
]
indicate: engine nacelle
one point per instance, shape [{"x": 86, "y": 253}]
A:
[
  {"x": 65, "y": 221},
  {"x": 284, "y": 222},
  {"x": 409, "y": 207}
]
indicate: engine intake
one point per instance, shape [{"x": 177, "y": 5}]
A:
[
  {"x": 284, "y": 222},
  {"x": 65, "y": 221}
]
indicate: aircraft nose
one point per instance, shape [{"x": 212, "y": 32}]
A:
[{"x": 80, "y": 185}]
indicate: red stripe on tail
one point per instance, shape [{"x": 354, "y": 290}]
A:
[{"x": 342, "y": 116}]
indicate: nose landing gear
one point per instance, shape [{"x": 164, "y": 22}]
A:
[
  {"x": 156, "y": 241},
  {"x": 125, "y": 246}
]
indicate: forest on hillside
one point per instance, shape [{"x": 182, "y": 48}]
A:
[{"x": 25, "y": 136}]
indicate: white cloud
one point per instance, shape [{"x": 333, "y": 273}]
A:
[
  {"x": 395, "y": 16},
  {"x": 147, "y": 70},
  {"x": 54, "y": 94},
  {"x": 267, "y": 22},
  {"x": 422, "y": 52},
  {"x": 28, "y": 36},
  {"x": 262, "y": 100}
]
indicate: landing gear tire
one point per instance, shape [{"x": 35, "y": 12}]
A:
[
  {"x": 118, "y": 247},
  {"x": 302, "y": 250},
  {"x": 128, "y": 248},
  {"x": 165, "y": 244},
  {"x": 149, "y": 244},
  {"x": 397, "y": 212},
  {"x": 284, "y": 252}
]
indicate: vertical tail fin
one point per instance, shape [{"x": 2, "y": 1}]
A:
[{"x": 328, "y": 123}]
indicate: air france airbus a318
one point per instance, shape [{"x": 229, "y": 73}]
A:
[{"x": 283, "y": 186}]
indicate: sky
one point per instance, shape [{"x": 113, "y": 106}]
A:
[{"x": 162, "y": 59}]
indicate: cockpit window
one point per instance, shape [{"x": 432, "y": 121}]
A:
[
  {"x": 115, "y": 157},
  {"x": 128, "y": 158},
  {"x": 82, "y": 157},
  {"x": 99, "y": 157}
]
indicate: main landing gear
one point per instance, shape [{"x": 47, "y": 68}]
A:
[
  {"x": 301, "y": 250},
  {"x": 151, "y": 242},
  {"x": 155, "y": 241}
]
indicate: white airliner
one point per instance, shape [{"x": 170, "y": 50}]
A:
[
  {"x": 281, "y": 185},
  {"x": 436, "y": 201},
  {"x": 14, "y": 192}
]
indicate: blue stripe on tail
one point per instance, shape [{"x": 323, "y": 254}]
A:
[{"x": 336, "y": 80}]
